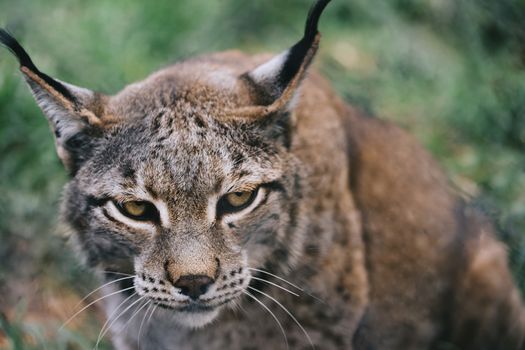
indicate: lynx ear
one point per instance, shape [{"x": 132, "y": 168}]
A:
[
  {"x": 275, "y": 82},
  {"x": 70, "y": 110}
]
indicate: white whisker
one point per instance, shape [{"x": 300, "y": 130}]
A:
[
  {"x": 280, "y": 278},
  {"x": 142, "y": 322},
  {"x": 118, "y": 273},
  {"x": 149, "y": 318},
  {"x": 288, "y": 282},
  {"x": 115, "y": 320},
  {"x": 113, "y": 314},
  {"x": 152, "y": 312},
  {"x": 135, "y": 314},
  {"x": 93, "y": 302},
  {"x": 288, "y": 312},
  {"x": 274, "y": 284},
  {"x": 99, "y": 288},
  {"x": 271, "y": 313}
]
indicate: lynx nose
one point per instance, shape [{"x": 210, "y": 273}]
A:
[{"x": 193, "y": 285}]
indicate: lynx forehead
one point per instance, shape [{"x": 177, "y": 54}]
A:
[{"x": 232, "y": 180}]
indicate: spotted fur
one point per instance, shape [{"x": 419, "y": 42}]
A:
[{"x": 381, "y": 253}]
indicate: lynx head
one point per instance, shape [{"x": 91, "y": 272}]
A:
[{"x": 185, "y": 179}]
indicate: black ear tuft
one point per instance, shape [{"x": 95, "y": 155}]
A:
[
  {"x": 275, "y": 82},
  {"x": 14, "y": 46},
  {"x": 21, "y": 54},
  {"x": 310, "y": 30},
  {"x": 70, "y": 110},
  {"x": 299, "y": 51}
]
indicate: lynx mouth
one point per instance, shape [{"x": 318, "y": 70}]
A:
[
  {"x": 193, "y": 307},
  {"x": 193, "y": 315}
]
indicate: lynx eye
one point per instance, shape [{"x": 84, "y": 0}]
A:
[
  {"x": 138, "y": 210},
  {"x": 236, "y": 201}
]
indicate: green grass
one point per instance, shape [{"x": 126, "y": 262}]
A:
[{"x": 451, "y": 72}]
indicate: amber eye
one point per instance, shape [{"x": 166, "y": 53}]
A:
[
  {"x": 238, "y": 199},
  {"x": 235, "y": 201},
  {"x": 139, "y": 210},
  {"x": 134, "y": 208}
]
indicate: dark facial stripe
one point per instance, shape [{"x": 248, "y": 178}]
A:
[
  {"x": 152, "y": 192},
  {"x": 121, "y": 224},
  {"x": 294, "y": 209},
  {"x": 275, "y": 186},
  {"x": 128, "y": 171},
  {"x": 280, "y": 254},
  {"x": 111, "y": 218},
  {"x": 93, "y": 201}
]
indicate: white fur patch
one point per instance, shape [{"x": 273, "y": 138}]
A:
[
  {"x": 195, "y": 319},
  {"x": 268, "y": 71},
  {"x": 221, "y": 79},
  {"x": 212, "y": 208}
]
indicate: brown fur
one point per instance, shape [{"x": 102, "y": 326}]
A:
[{"x": 355, "y": 212}]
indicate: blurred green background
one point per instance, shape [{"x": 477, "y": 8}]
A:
[{"x": 452, "y": 72}]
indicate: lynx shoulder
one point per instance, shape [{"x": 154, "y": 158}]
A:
[{"x": 232, "y": 180}]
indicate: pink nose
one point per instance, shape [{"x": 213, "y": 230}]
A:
[{"x": 193, "y": 285}]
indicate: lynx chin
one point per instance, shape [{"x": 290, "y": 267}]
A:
[{"x": 234, "y": 201}]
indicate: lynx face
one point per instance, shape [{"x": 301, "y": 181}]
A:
[
  {"x": 184, "y": 180},
  {"x": 191, "y": 201}
]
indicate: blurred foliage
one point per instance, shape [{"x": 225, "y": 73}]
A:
[{"x": 450, "y": 71}]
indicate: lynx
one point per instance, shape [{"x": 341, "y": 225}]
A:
[{"x": 234, "y": 201}]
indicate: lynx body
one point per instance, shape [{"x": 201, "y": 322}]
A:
[{"x": 212, "y": 177}]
